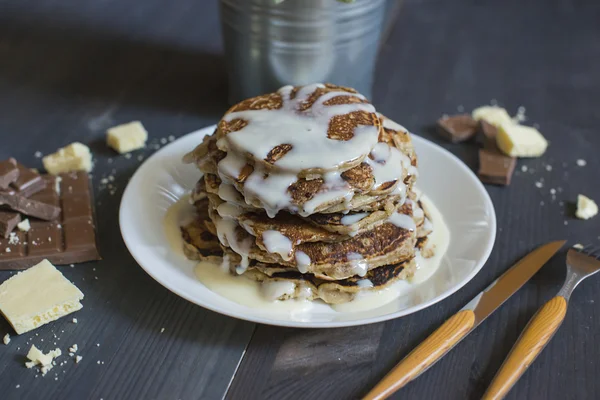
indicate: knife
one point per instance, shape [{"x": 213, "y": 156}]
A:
[{"x": 463, "y": 322}]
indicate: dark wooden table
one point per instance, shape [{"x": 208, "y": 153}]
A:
[{"x": 71, "y": 69}]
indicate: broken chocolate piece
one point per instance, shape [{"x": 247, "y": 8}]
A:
[
  {"x": 8, "y": 221},
  {"x": 457, "y": 128},
  {"x": 28, "y": 182},
  {"x": 487, "y": 135},
  {"x": 495, "y": 168},
  {"x": 69, "y": 240},
  {"x": 30, "y": 207},
  {"x": 8, "y": 173}
]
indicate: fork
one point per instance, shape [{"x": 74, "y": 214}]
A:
[{"x": 544, "y": 324}]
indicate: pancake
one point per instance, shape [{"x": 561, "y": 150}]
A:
[
  {"x": 357, "y": 221},
  {"x": 387, "y": 168},
  {"x": 310, "y": 191},
  {"x": 199, "y": 236},
  {"x": 202, "y": 244},
  {"x": 362, "y": 203},
  {"x": 348, "y": 224},
  {"x": 335, "y": 192},
  {"x": 298, "y": 249},
  {"x": 307, "y": 286},
  {"x": 383, "y": 245},
  {"x": 276, "y": 130}
]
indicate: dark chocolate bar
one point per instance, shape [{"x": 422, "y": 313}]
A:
[
  {"x": 8, "y": 221},
  {"x": 28, "y": 182},
  {"x": 8, "y": 173},
  {"x": 29, "y": 207},
  {"x": 68, "y": 240}
]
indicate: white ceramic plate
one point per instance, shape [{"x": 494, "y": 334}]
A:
[{"x": 456, "y": 191}]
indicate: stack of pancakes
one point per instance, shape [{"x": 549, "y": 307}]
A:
[{"x": 311, "y": 192}]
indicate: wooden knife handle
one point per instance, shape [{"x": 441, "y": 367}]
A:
[
  {"x": 530, "y": 344},
  {"x": 424, "y": 355}
]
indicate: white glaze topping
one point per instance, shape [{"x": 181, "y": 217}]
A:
[
  {"x": 302, "y": 261},
  {"x": 271, "y": 190},
  {"x": 387, "y": 164},
  {"x": 273, "y": 290},
  {"x": 277, "y": 243},
  {"x": 364, "y": 283},
  {"x": 305, "y": 131},
  {"x": 359, "y": 264},
  {"x": 228, "y": 193},
  {"x": 353, "y": 218},
  {"x": 226, "y": 227},
  {"x": 334, "y": 188},
  {"x": 402, "y": 221}
]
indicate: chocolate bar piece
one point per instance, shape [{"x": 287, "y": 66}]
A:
[
  {"x": 8, "y": 221},
  {"x": 30, "y": 207},
  {"x": 28, "y": 182},
  {"x": 70, "y": 239},
  {"x": 8, "y": 173},
  {"x": 495, "y": 167},
  {"x": 457, "y": 128},
  {"x": 487, "y": 135}
]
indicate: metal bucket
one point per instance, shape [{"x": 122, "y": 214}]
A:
[{"x": 270, "y": 44}]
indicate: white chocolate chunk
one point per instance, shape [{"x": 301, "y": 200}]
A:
[
  {"x": 74, "y": 157},
  {"x": 586, "y": 207},
  {"x": 127, "y": 137},
  {"x": 44, "y": 361},
  {"x": 24, "y": 225},
  {"x": 521, "y": 141},
  {"x": 494, "y": 115},
  {"x": 6, "y": 339},
  {"x": 37, "y": 296}
]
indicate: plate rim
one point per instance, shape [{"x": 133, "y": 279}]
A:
[{"x": 314, "y": 324}]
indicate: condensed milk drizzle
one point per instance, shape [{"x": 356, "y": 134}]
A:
[
  {"x": 387, "y": 164},
  {"x": 277, "y": 243},
  {"x": 306, "y": 132},
  {"x": 311, "y": 148},
  {"x": 302, "y": 261},
  {"x": 403, "y": 221},
  {"x": 351, "y": 219}
]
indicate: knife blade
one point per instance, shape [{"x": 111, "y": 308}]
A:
[
  {"x": 463, "y": 322},
  {"x": 486, "y": 302}
]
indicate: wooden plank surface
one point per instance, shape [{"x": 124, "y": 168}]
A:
[{"x": 69, "y": 70}]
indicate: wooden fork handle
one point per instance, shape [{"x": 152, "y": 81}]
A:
[
  {"x": 530, "y": 344},
  {"x": 424, "y": 355}
]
